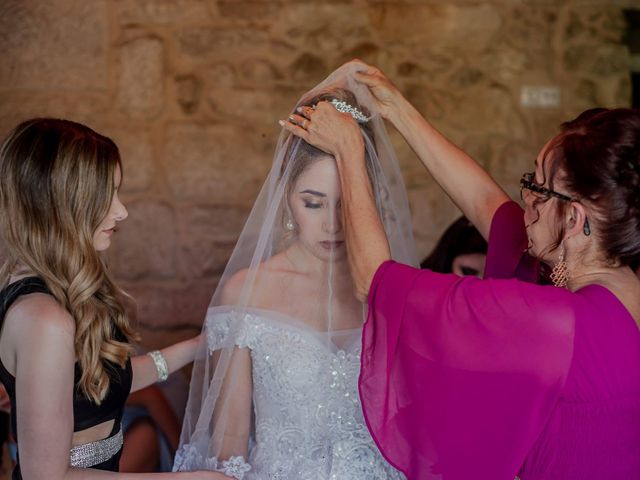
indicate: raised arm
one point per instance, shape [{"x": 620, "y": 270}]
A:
[
  {"x": 470, "y": 187},
  {"x": 338, "y": 134}
]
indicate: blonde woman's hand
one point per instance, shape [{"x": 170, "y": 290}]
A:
[
  {"x": 326, "y": 128},
  {"x": 205, "y": 475}
]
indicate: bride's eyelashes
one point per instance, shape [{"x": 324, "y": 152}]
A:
[{"x": 310, "y": 198}]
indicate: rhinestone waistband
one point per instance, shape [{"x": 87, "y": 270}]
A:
[{"x": 94, "y": 453}]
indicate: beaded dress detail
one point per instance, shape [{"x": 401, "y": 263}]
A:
[{"x": 309, "y": 423}]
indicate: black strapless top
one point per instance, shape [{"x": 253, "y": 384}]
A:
[{"x": 86, "y": 413}]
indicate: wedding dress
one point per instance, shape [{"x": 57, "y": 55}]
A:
[{"x": 274, "y": 389}]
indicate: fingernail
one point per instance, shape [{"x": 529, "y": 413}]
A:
[
  {"x": 281, "y": 122},
  {"x": 299, "y": 109}
]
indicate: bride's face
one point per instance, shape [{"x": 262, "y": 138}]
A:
[{"x": 315, "y": 204}]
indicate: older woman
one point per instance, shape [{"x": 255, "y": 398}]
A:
[{"x": 487, "y": 379}]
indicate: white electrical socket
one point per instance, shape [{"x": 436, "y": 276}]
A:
[{"x": 540, "y": 96}]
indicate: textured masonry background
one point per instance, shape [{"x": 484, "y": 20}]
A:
[{"x": 191, "y": 90}]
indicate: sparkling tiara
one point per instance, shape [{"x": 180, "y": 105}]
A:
[{"x": 344, "y": 107}]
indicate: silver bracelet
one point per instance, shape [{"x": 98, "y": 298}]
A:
[{"x": 161, "y": 365}]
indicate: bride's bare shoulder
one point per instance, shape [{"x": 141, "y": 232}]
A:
[{"x": 269, "y": 271}]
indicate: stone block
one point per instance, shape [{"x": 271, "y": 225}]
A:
[
  {"x": 366, "y": 51},
  {"x": 261, "y": 106},
  {"x": 504, "y": 63},
  {"x": 188, "y": 91},
  {"x": 86, "y": 108},
  {"x": 177, "y": 306},
  {"x": 214, "y": 164},
  {"x": 209, "y": 236},
  {"x": 160, "y": 12},
  {"x": 49, "y": 46},
  {"x": 432, "y": 212},
  {"x": 531, "y": 28},
  {"x": 137, "y": 154},
  {"x": 609, "y": 60},
  {"x": 511, "y": 162},
  {"x": 308, "y": 67},
  {"x": 440, "y": 26},
  {"x": 497, "y": 113},
  {"x": 249, "y": 10},
  {"x": 426, "y": 69},
  {"x": 205, "y": 41},
  {"x": 260, "y": 72},
  {"x": 144, "y": 247},
  {"x": 141, "y": 80},
  {"x": 328, "y": 29},
  {"x": 222, "y": 74},
  {"x": 435, "y": 104}
]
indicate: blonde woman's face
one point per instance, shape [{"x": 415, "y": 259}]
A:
[{"x": 117, "y": 212}]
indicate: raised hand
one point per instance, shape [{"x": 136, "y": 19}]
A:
[
  {"x": 326, "y": 128},
  {"x": 385, "y": 93}
]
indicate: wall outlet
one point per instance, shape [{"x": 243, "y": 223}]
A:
[{"x": 540, "y": 96}]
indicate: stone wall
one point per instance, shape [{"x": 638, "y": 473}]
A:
[{"x": 191, "y": 90}]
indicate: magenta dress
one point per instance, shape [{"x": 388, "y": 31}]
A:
[{"x": 468, "y": 379}]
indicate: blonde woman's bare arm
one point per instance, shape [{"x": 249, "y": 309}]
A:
[
  {"x": 177, "y": 356},
  {"x": 43, "y": 360}
]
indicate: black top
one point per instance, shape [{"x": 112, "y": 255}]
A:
[{"x": 86, "y": 413}]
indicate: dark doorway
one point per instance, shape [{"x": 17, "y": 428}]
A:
[{"x": 632, "y": 39}]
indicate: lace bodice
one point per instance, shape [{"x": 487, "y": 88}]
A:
[{"x": 308, "y": 420}]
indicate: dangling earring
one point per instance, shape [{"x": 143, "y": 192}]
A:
[
  {"x": 288, "y": 223},
  {"x": 560, "y": 271}
]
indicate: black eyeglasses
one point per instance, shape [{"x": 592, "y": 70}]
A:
[{"x": 527, "y": 182}]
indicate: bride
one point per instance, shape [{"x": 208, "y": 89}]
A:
[{"x": 274, "y": 387}]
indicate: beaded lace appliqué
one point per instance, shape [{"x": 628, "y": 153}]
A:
[
  {"x": 309, "y": 423},
  {"x": 188, "y": 458}
]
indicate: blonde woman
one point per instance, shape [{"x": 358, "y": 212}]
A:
[{"x": 65, "y": 343}]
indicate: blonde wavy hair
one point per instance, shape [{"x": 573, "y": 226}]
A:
[{"x": 56, "y": 187}]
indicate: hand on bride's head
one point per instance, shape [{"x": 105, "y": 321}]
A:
[{"x": 326, "y": 128}]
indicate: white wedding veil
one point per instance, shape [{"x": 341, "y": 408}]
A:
[{"x": 288, "y": 279}]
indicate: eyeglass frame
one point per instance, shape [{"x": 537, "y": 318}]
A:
[{"x": 526, "y": 182}]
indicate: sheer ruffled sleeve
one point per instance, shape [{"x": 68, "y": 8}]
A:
[
  {"x": 229, "y": 329},
  {"x": 507, "y": 254},
  {"x": 222, "y": 417},
  {"x": 458, "y": 374}
]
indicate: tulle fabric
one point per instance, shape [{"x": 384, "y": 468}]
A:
[{"x": 222, "y": 425}]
